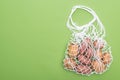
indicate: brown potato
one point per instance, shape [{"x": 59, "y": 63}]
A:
[
  {"x": 73, "y": 50},
  {"x": 98, "y": 44},
  {"x": 106, "y": 58},
  {"x": 69, "y": 63},
  {"x": 98, "y": 66}
]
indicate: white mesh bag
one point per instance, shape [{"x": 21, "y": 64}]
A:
[{"x": 87, "y": 51}]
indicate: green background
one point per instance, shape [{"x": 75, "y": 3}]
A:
[{"x": 34, "y": 36}]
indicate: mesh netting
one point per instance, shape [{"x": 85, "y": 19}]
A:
[{"x": 87, "y": 51}]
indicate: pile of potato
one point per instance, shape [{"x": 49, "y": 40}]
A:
[{"x": 87, "y": 57}]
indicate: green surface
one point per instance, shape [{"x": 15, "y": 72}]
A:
[{"x": 33, "y": 38}]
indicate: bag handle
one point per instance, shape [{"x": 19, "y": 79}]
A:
[{"x": 72, "y": 26}]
